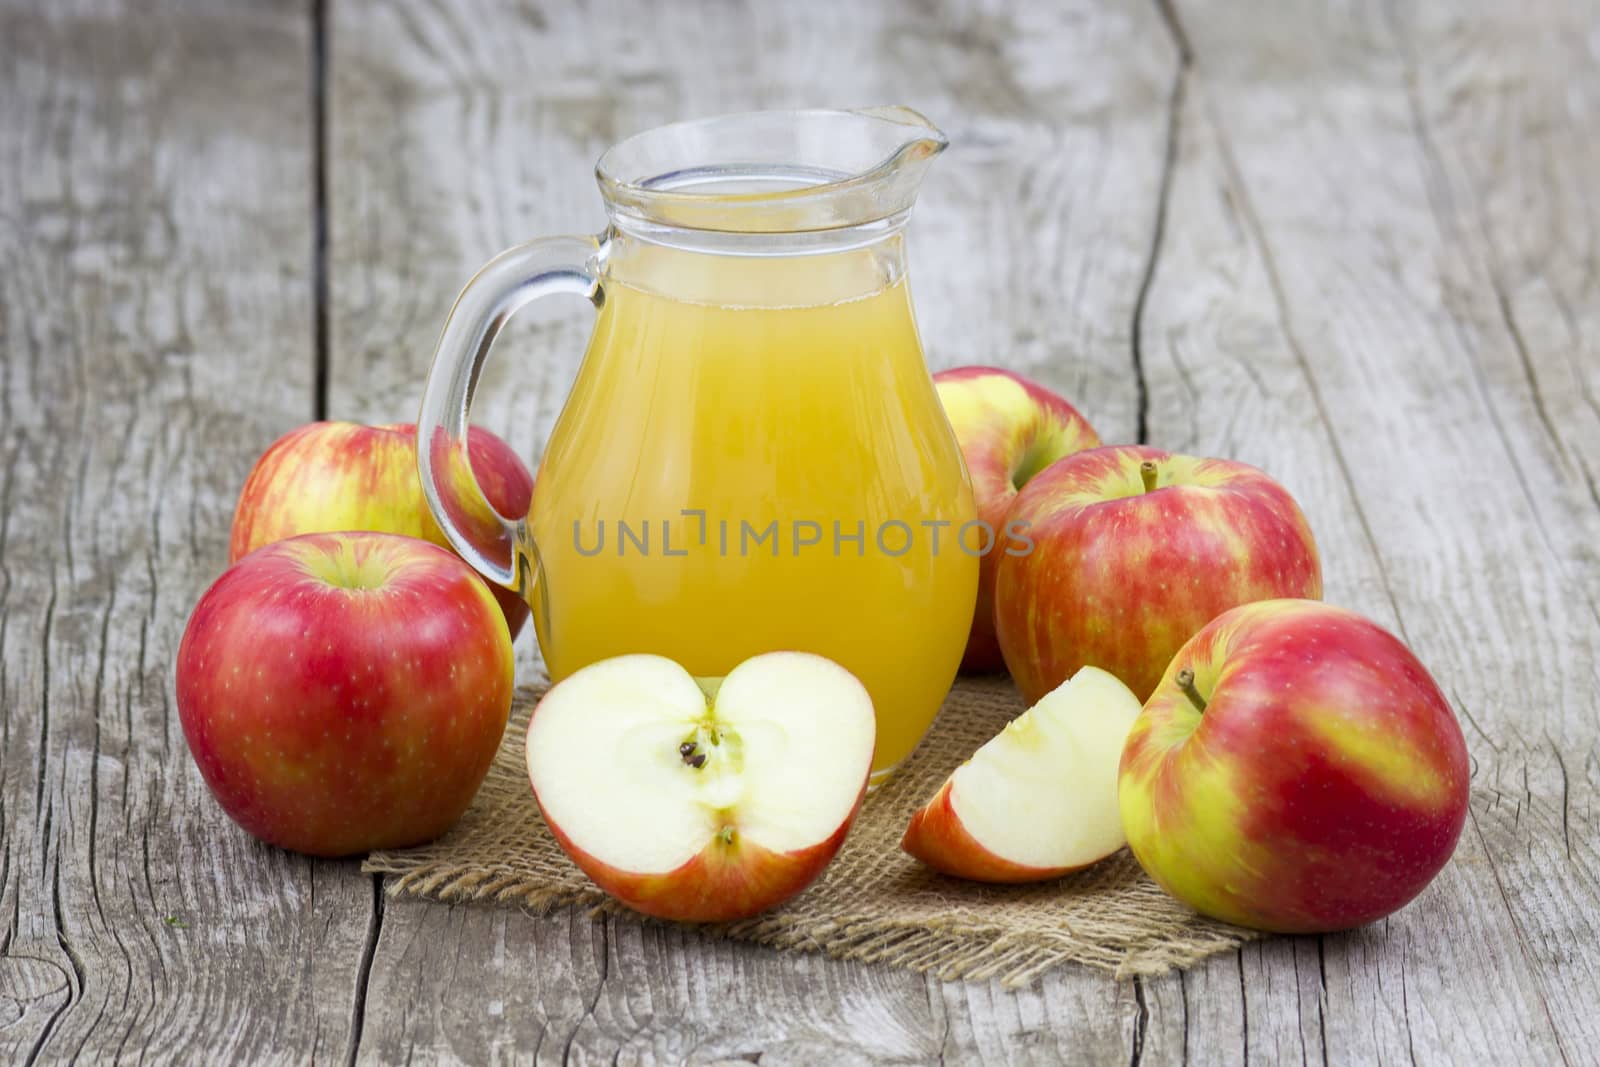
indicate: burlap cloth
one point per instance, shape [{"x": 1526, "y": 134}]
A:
[{"x": 873, "y": 902}]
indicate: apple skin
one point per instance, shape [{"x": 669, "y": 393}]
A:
[
  {"x": 1119, "y": 578},
  {"x": 937, "y": 837},
  {"x": 331, "y": 476},
  {"x": 1009, "y": 429},
  {"x": 344, "y": 692},
  {"x": 1039, "y": 799},
  {"x": 702, "y": 799},
  {"x": 724, "y": 882},
  {"x": 1322, "y": 788}
]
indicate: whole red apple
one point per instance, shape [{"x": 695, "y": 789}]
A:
[
  {"x": 1296, "y": 770},
  {"x": 1133, "y": 550},
  {"x": 331, "y": 476},
  {"x": 344, "y": 692},
  {"x": 1009, "y": 429}
]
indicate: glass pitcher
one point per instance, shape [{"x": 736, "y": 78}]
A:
[{"x": 752, "y": 456}]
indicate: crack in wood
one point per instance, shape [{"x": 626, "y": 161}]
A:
[
  {"x": 1405, "y": 997},
  {"x": 1183, "y": 1011},
  {"x": 1158, "y": 228},
  {"x": 319, "y": 209},
  {"x": 1141, "y": 1021},
  {"x": 369, "y": 948},
  {"x": 936, "y": 1006},
  {"x": 98, "y": 704},
  {"x": 1566, "y": 797},
  {"x": 602, "y": 925},
  {"x": 1322, "y": 995},
  {"x": 77, "y": 985},
  {"x": 44, "y": 706},
  {"x": 1518, "y": 935},
  {"x": 1525, "y": 361},
  {"x": 1244, "y": 1009}
]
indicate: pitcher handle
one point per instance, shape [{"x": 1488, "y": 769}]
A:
[{"x": 497, "y": 545}]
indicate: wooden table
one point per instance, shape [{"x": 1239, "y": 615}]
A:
[{"x": 1353, "y": 244}]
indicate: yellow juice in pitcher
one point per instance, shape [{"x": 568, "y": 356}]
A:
[{"x": 758, "y": 461}]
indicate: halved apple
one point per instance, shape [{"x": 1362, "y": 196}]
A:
[
  {"x": 1039, "y": 799},
  {"x": 702, "y": 800}
]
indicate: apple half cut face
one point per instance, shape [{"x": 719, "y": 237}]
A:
[
  {"x": 1039, "y": 799},
  {"x": 702, "y": 800}
]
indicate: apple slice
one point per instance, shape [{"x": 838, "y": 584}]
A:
[
  {"x": 1039, "y": 799},
  {"x": 702, "y": 800}
]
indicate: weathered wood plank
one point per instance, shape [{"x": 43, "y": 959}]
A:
[
  {"x": 1032, "y": 241},
  {"x": 155, "y": 250},
  {"x": 1318, "y": 311},
  {"x": 1508, "y": 141},
  {"x": 1508, "y": 144}
]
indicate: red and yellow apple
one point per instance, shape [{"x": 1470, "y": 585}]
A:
[
  {"x": 344, "y": 692},
  {"x": 1009, "y": 429},
  {"x": 700, "y": 800},
  {"x": 1039, "y": 799},
  {"x": 332, "y": 476},
  {"x": 1297, "y": 770},
  {"x": 1132, "y": 551}
]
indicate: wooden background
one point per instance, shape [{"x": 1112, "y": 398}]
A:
[{"x": 1354, "y": 243}]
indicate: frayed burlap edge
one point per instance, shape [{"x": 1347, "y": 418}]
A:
[{"x": 873, "y": 903}]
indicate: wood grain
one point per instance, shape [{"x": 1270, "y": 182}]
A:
[
  {"x": 1311, "y": 314},
  {"x": 155, "y": 330},
  {"x": 1352, "y": 244}
]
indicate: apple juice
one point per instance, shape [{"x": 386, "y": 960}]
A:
[{"x": 753, "y": 458}]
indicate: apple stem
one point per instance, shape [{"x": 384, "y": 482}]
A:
[
  {"x": 1186, "y": 683},
  {"x": 1147, "y": 473}
]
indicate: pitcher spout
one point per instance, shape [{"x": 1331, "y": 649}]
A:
[
  {"x": 772, "y": 171},
  {"x": 915, "y": 142},
  {"x": 920, "y": 139}
]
